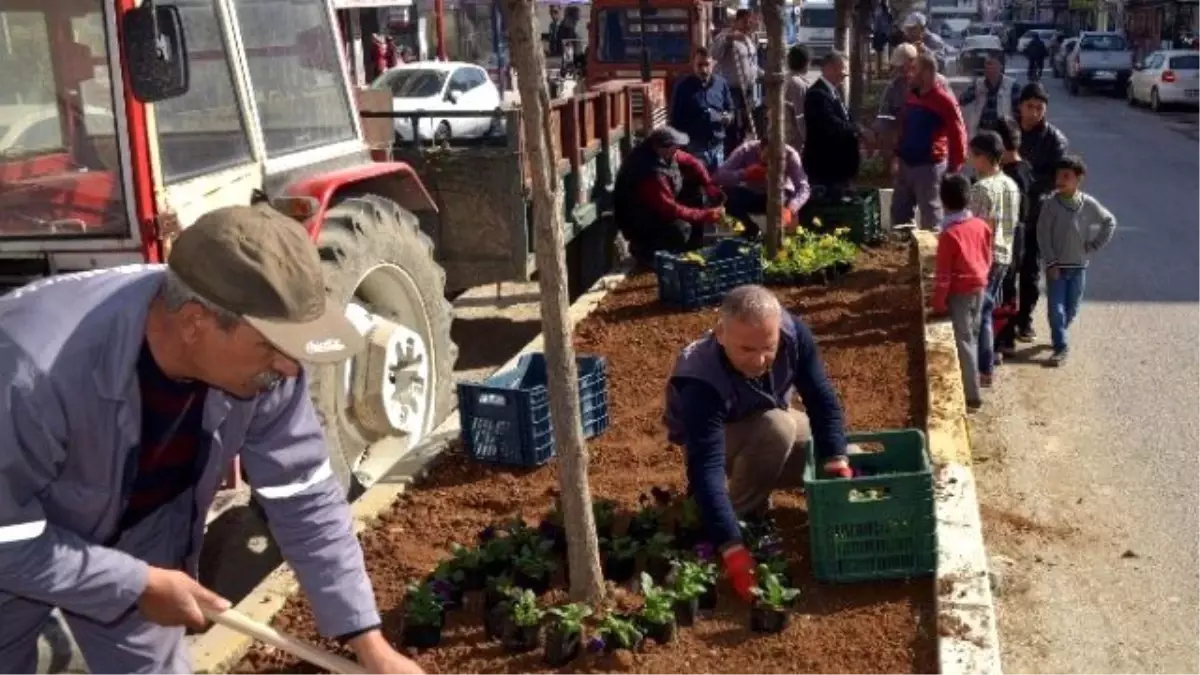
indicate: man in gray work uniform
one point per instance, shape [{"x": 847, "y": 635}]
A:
[{"x": 124, "y": 395}]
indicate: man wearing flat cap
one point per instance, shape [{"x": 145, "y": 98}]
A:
[
  {"x": 664, "y": 197},
  {"x": 124, "y": 394}
]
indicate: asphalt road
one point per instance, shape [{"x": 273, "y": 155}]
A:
[{"x": 1088, "y": 473}]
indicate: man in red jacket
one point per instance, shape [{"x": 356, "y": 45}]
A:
[
  {"x": 933, "y": 139},
  {"x": 664, "y": 197},
  {"x": 964, "y": 258}
]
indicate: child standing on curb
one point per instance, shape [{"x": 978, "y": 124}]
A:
[
  {"x": 1021, "y": 172},
  {"x": 996, "y": 199},
  {"x": 1071, "y": 228},
  {"x": 964, "y": 258}
]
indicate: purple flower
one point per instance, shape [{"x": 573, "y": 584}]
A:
[
  {"x": 595, "y": 645},
  {"x": 705, "y": 552},
  {"x": 487, "y": 534}
]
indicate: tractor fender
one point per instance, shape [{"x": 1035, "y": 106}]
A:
[{"x": 396, "y": 181}]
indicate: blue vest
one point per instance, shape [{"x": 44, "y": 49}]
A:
[{"x": 702, "y": 360}]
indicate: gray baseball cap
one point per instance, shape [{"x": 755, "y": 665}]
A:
[{"x": 668, "y": 137}]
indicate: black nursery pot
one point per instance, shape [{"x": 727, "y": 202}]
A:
[
  {"x": 815, "y": 278},
  {"x": 610, "y": 644},
  {"x": 493, "y": 596},
  {"x": 687, "y": 538},
  {"x": 494, "y": 620},
  {"x": 474, "y": 580},
  {"x": 538, "y": 585},
  {"x": 658, "y": 568},
  {"x": 686, "y": 610},
  {"x": 708, "y": 599},
  {"x": 641, "y": 531},
  {"x": 496, "y": 568},
  {"x": 765, "y": 619},
  {"x": 421, "y": 637},
  {"x": 662, "y": 633},
  {"x": 619, "y": 570},
  {"x": 518, "y": 639},
  {"x": 561, "y": 647}
]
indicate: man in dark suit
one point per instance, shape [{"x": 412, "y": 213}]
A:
[{"x": 831, "y": 155}]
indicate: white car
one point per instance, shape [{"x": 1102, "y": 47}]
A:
[
  {"x": 1165, "y": 78},
  {"x": 432, "y": 87}
]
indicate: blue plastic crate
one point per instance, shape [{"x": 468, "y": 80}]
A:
[
  {"x": 690, "y": 284},
  {"x": 506, "y": 418}
]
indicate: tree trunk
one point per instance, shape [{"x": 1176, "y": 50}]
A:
[
  {"x": 858, "y": 57},
  {"x": 562, "y": 376},
  {"x": 772, "y": 13}
]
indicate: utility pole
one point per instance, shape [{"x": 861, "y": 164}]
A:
[{"x": 583, "y": 550}]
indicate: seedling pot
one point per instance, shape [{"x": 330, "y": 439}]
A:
[
  {"x": 708, "y": 599},
  {"x": 493, "y": 596},
  {"x": 538, "y": 585},
  {"x": 474, "y": 580},
  {"x": 619, "y": 570},
  {"x": 494, "y": 619},
  {"x": 658, "y": 568},
  {"x": 518, "y": 639},
  {"x": 610, "y": 644},
  {"x": 765, "y": 619},
  {"x": 642, "y": 531},
  {"x": 662, "y": 633},
  {"x": 422, "y": 637},
  {"x": 686, "y": 610},
  {"x": 560, "y": 647},
  {"x": 687, "y": 538}
]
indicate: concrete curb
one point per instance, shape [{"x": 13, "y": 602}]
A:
[
  {"x": 968, "y": 640},
  {"x": 219, "y": 649}
]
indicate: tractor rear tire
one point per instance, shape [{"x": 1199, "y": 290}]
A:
[{"x": 364, "y": 235}]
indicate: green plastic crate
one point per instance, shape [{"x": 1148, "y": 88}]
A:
[
  {"x": 860, "y": 213},
  {"x": 879, "y": 526}
]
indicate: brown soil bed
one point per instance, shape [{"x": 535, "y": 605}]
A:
[{"x": 869, "y": 330}]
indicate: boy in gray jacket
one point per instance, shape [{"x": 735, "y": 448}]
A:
[{"x": 1071, "y": 227}]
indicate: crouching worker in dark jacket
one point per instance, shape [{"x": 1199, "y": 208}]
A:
[
  {"x": 664, "y": 197},
  {"x": 729, "y": 405}
]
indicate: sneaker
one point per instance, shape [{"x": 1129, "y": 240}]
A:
[
  {"x": 985, "y": 381},
  {"x": 974, "y": 406},
  {"x": 1026, "y": 334},
  {"x": 1058, "y": 358}
]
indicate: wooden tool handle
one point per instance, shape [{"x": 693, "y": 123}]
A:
[{"x": 235, "y": 620}]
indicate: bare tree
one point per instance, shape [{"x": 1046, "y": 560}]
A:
[
  {"x": 562, "y": 376},
  {"x": 843, "y": 11},
  {"x": 772, "y": 13}
]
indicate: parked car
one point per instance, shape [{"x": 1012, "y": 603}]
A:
[
  {"x": 976, "y": 51},
  {"x": 442, "y": 86},
  {"x": 1166, "y": 78},
  {"x": 1058, "y": 62},
  {"x": 1099, "y": 60}
]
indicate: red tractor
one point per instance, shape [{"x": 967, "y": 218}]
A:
[{"x": 122, "y": 122}]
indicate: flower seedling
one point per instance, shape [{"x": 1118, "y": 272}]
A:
[
  {"x": 620, "y": 560},
  {"x": 604, "y": 513},
  {"x": 772, "y": 599},
  {"x": 619, "y": 632},
  {"x": 658, "y": 611},
  {"x": 689, "y": 529},
  {"x": 468, "y": 562},
  {"x": 533, "y": 568},
  {"x": 647, "y": 520},
  {"x": 423, "y": 617},
  {"x": 448, "y": 582},
  {"x": 565, "y": 635},
  {"x": 524, "y": 623},
  {"x": 660, "y": 551}
]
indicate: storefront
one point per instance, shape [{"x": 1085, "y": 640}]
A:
[
  {"x": 359, "y": 21},
  {"x": 1154, "y": 24}
]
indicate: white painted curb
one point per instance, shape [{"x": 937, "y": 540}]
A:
[
  {"x": 968, "y": 640},
  {"x": 219, "y": 649}
]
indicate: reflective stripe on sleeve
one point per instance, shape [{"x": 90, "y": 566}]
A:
[
  {"x": 292, "y": 489},
  {"x": 22, "y": 531}
]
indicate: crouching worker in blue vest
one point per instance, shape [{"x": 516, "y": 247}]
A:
[
  {"x": 729, "y": 405},
  {"x": 124, "y": 395}
]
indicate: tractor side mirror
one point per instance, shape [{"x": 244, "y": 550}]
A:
[{"x": 155, "y": 52}]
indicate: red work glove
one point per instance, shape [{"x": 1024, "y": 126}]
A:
[
  {"x": 739, "y": 569},
  {"x": 712, "y": 215},
  {"x": 755, "y": 174},
  {"x": 787, "y": 219},
  {"x": 838, "y": 467}
]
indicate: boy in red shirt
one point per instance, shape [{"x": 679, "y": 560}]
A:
[{"x": 964, "y": 258}]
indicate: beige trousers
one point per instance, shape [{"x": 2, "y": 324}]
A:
[{"x": 764, "y": 452}]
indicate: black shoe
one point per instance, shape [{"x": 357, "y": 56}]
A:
[
  {"x": 1026, "y": 334},
  {"x": 1058, "y": 358},
  {"x": 974, "y": 406}
]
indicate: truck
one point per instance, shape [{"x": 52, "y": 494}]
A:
[
  {"x": 817, "y": 21},
  {"x": 1099, "y": 60},
  {"x": 142, "y": 116}
]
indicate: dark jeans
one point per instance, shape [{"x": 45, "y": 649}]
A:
[
  {"x": 1035, "y": 69},
  {"x": 992, "y": 295},
  {"x": 741, "y": 203},
  {"x": 735, "y": 133},
  {"x": 674, "y": 236},
  {"x": 1029, "y": 276}
]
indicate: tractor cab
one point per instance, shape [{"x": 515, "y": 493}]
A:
[{"x": 626, "y": 34}]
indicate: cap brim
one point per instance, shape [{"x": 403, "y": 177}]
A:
[{"x": 328, "y": 339}]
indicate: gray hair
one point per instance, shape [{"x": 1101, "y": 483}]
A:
[
  {"x": 927, "y": 61},
  {"x": 176, "y": 294},
  {"x": 834, "y": 57},
  {"x": 750, "y": 303}
]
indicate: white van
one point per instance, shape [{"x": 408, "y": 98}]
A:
[{"x": 816, "y": 26}]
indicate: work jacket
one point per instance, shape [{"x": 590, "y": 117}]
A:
[{"x": 70, "y": 427}]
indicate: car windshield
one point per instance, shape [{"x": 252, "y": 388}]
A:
[
  {"x": 668, "y": 35},
  {"x": 1189, "y": 62},
  {"x": 1102, "y": 43},
  {"x": 817, "y": 18},
  {"x": 413, "y": 83}
]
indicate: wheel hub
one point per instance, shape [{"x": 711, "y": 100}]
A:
[{"x": 390, "y": 379}]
